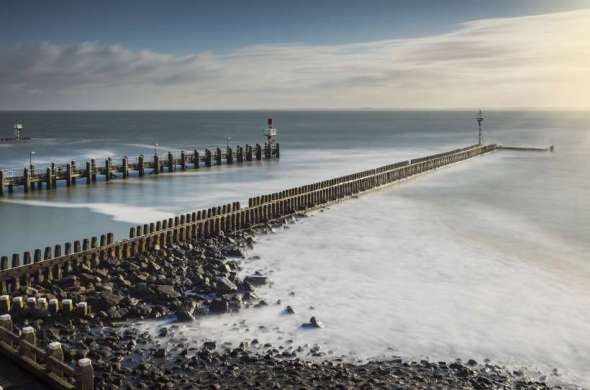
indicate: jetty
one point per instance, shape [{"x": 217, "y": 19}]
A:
[{"x": 48, "y": 177}]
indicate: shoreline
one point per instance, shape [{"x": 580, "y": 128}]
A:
[{"x": 193, "y": 279}]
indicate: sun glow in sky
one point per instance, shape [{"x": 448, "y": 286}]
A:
[{"x": 535, "y": 61}]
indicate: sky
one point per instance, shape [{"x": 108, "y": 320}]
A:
[{"x": 344, "y": 54}]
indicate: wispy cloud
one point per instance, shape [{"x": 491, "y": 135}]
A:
[{"x": 534, "y": 61}]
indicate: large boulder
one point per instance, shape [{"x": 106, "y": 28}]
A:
[{"x": 225, "y": 286}]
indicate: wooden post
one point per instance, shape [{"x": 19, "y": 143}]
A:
[
  {"x": 42, "y": 305},
  {"x": 82, "y": 309},
  {"x": 15, "y": 260},
  {"x": 140, "y": 167},
  {"x": 4, "y": 304},
  {"x": 93, "y": 170},
  {"x": 4, "y": 263},
  {"x": 6, "y": 323},
  {"x": 73, "y": 171},
  {"x": 26, "y": 180},
  {"x": 218, "y": 156},
  {"x": 18, "y": 305},
  {"x": 1, "y": 182},
  {"x": 207, "y": 158},
  {"x": 125, "y": 167},
  {"x": 229, "y": 156},
  {"x": 85, "y": 375},
  {"x": 28, "y": 336},
  {"x": 67, "y": 306},
  {"x": 196, "y": 159},
  {"x": 88, "y": 172},
  {"x": 53, "y": 306},
  {"x": 277, "y": 151},
  {"x": 55, "y": 350},
  {"x": 182, "y": 160},
  {"x": 156, "y": 164},
  {"x": 107, "y": 169},
  {"x": 171, "y": 163},
  {"x": 258, "y": 152},
  {"x": 248, "y": 153}
]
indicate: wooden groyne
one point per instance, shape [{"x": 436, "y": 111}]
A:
[
  {"x": 33, "y": 178},
  {"x": 57, "y": 262}
]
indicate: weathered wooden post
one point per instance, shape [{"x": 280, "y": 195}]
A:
[
  {"x": 4, "y": 263},
  {"x": 125, "y": 167},
  {"x": 73, "y": 171},
  {"x": 171, "y": 163},
  {"x": 156, "y": 164},
  {"x": 26, "y": 180},
  {"x": 4, "y": 304},
  {"x": 140, "y": 167},
  {"x": 196, "y": 159},
  {"x": 82, "y": 309},
  {"x": 258, "y": 152},
  {"x": 229, "y": 156},
  {"x": 217, "y": 156},
  {"x": 88, "y": 172},
  {"x": 6, "y": 323},
  {"x": 55, "y": 351},
  {"x": 107, "y": 169},
  {"x": 277, "y": 151},
  {"x": 182, "y": 160},
  {"x": 28, "y": 339},
  {"x": 1, "y": 182},
  {"x": 93, "y": 170},
  {"x": 27, "y": 258},
  {"x": 267, "y": 149},
  {"x": 85, "y": 375},
  {"x": 248, "y": 152},
  {"x": 18, "y": 305},
  {"x": 240, "y": 154},
  {"x": 53, "y": 306},
  {"x": 41, "y": 305},
  {"x": 207, "y": 158},
  {"x": 15, "y": 260},
  {"x": 67, "y": 306}
]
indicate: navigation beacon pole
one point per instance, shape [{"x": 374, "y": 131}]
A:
[{"x": 479, "y": 119}]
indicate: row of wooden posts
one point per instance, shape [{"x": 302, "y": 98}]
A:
[
  {"x": 54, "y": 263},
  {"x": 70, "y": 172},
  {"x": 20, "y": 345}
]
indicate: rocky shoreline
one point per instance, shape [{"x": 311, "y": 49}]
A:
[{"x": 181, "y": 282}]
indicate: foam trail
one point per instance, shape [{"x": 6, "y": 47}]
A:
[{"x": 119, "y": 212}]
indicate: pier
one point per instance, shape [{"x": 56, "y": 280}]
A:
[{"x": 70, "y": 174}]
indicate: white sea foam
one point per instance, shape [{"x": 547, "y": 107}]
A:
[
  {"x": 424, "y": 269},
  {"x": 118, "y": 212}
]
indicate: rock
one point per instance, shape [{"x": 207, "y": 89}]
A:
[
  {"x": 289, "y": 310},
  {"x": 166, "y": 291},
  {"x": 255, "y": 280},
  {"x": 163, "y": 332},
  {"x": 70, "y": 281},
  {"x": 210, "y": 345},
  {"x": 313, "y": 323},
  {"x": 160, "y": 353},
  {"x": 184, "y": 315},
  {"x": 218, "y": 306},
  {"x": 224, "y": 286}
]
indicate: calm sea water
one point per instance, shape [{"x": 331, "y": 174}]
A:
[{"x": 485, "y": 259}]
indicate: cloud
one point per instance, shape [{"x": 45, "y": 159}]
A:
[{"x": 533, "y": 61}]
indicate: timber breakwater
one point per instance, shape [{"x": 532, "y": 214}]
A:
[
  {"x": 69, "y": 174},
  {"x": 60, "y": 306}
]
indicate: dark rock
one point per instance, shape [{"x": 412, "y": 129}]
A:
[
  {"x": 313, "y": 323},
  {"x": 166, "y": 291},
  {"x": 289, "y": 310},
  {"x": 255, "y": 280},
  {"x": 224, "y": 286}
]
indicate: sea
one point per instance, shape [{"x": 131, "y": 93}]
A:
[{"x": 485, "y": 259}]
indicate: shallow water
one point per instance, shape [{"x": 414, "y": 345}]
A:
[{"x": 484, "y": 259}]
